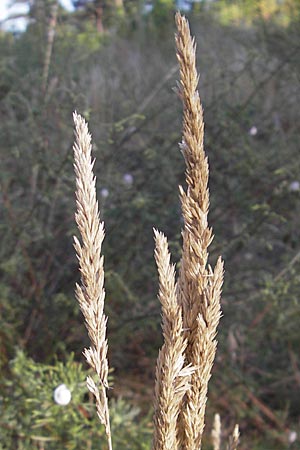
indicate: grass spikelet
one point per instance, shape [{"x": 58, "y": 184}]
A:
[
  {"x": 234, "y": 439},
  {"x": 90, "y": 294},
  {"x": 172, "y": 378},
  {"x": 199, "y": 288},
  {"x": 216, "y": 433}
]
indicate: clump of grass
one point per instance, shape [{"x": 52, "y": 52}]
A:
[{"x": 190, "y": 308}]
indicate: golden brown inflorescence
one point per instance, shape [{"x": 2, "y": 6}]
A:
[
  {"x": 199, "y": 287},
  {"x": 190, "y": 308}
]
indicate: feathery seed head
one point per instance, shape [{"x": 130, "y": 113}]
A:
[{"x": 90, "y": 294}]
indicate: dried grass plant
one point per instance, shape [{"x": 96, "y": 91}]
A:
[
  {"x": 190, "y": 308},
  {"x": 172, "y": 376},
  {"x": 91, "y": 294},
  {"x": 199, "y": 287}
]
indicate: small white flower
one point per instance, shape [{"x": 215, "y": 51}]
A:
[
  {"x": 104, "y": 192},
  {"x": 128, "y": 179},
  {"x": 292, "y": 436},
  {"x": 62, "y": 395},
  {"x": 253, "y": 131},
  {"x": 294, "y": 186},
  {"x": 148, "y": 8}
]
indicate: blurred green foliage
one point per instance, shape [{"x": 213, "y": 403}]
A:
[
  {"x": 30, "y": 417},
  {"x": 247, "y": 12},
  {"x": 122, "y": 81}
]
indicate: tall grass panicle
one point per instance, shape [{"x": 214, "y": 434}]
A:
[
  {"x": 196, "y": 299},
  {"x": 199, "y": 287},
  {"x": 90, "y": 294},
  {"x": 190, "y": 308}
]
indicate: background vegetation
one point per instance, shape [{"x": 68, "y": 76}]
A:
[{"x": 116, "y": 65}]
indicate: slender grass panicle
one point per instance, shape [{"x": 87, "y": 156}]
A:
[
  {"x": 172, "y": 377},
  {"x": 90, "y": 294},
  {"x": 199, "y": 287}
]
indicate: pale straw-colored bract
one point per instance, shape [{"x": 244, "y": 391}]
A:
[
  {"x": 216, "y": 432},
  {"x": 90, "y": 294},
  {"x": 234, "y": 439},
  {"x": 216, "y": 436}
]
